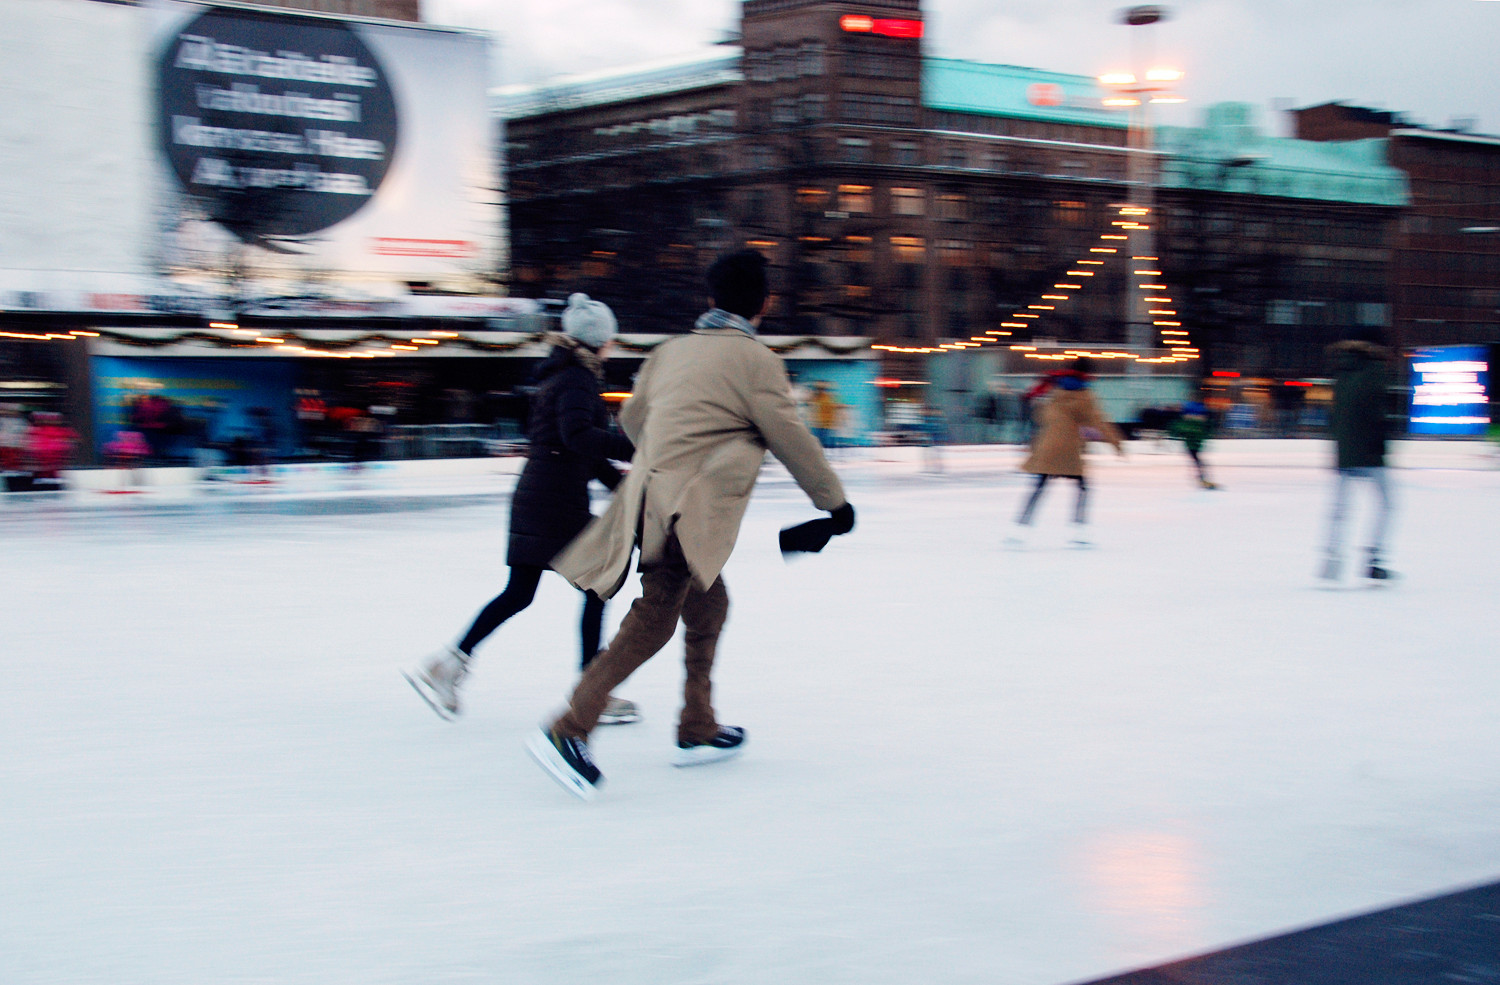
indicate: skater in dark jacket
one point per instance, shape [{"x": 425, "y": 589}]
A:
[
  {"x": 1193, "y": 428},
  {"x": 1360, "y": 428},
  {"x": 570, "y": 443}
]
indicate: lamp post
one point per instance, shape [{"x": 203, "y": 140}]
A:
[{"x": 1137, "y": 90}]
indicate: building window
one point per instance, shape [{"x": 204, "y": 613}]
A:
[
  {"x": 759, "y": 68},
  {"x": 760, "y": 156},
  {"x": 811, "y": 58},
  {"x": 785, "y": 66},
  {"x": 909, "y": 249},
  {"x": 906, "y": 153},
  {"x": 814, "y": 107},
  {"x": 860, "y": 107},
  {"x": 855, "y": 150},
  {"x": 812, "y": 199},
  {"x": 908, "y": 201},
  {"x": 784, "y": 111},
  {"x": 856, "y": 199},
  {"x": 953, "y": 207},
  {"x": 997, "y": 160},
  {"x": 954, "y": 252},
  {"x": 955, "y": 156},
  {"x": 1069, "y": 213}
]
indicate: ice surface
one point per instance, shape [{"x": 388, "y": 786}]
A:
[{"x": 965, "y": 765}]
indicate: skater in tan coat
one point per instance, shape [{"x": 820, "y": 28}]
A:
[
  {"x": 1064, "y": 420},
  {"x": 707, "y": 407}
]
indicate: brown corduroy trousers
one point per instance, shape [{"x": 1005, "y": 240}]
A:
[{"x": 668, "y": 593}]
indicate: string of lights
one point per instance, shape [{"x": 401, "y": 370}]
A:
[
  {"x": 373, "y": 345},
  {"x": 1175, "y": 340}
]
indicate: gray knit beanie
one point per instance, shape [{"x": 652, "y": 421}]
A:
[{"x": 590, "y": 322}]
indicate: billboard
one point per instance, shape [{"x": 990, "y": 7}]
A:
[
  {"x": 1450, "y": 390},
  {"x": 301, "y": 154}
]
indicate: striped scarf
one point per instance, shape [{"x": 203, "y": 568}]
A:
[{"x": 719, "y": 318}]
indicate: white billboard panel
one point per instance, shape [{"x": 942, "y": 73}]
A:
[
  {"x": 155, "y": 155},
  {"x": 304, "y": 148}
]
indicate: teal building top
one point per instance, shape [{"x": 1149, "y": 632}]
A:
[
  {"x": 957, "y": 86},
  {"x": 1230, "y": 154}
]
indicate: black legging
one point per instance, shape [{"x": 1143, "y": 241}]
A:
[
  {"x": 518, "y": 594},
  {"x": 1079, "y": 514}
]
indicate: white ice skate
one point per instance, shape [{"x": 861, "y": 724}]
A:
[
  {"x": 618, "y": 711},
  {"x": 1079, "y": 539},
  {"x": 438, "y": 681}
]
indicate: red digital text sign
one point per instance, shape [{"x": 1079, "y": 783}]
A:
[{"x": 883, "y": 26}]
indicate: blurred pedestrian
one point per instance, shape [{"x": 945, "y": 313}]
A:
[
  {"x": 1193, "y": 427},
  {"x": 1360, "y": 428},
  {"x": 823, "y": 413},
  {"x": 706, "y": 408},
  {"x": 1065, "y": 411},
  {"x": 15, "y": 432},
  {"x": 49, "y": 447},
  {"x": 570, "y": 444},
  {"x": 934, "y": 437}
]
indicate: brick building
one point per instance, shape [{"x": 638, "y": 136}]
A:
[
  {"x": 1445, "y": 275},
  {"x": 395, "y": 10},
  {"x": 925, "y": 201}
]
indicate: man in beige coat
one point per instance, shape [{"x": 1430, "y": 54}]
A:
[{"x": 706, "y": 408}]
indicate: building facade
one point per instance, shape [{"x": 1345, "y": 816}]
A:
[
  {"x": 1445, "y": 273},
  {"x": 925, "y": 202}
]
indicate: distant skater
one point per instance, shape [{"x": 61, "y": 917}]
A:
[
  {"x": 570, "y": 443},
  {"x": 1057, "y": 449},
  {"x": 1360, "y": 428},
  {"x": 1193, "y": 428}
]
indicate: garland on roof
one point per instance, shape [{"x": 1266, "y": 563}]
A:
[{"x": 386, "y": 340}]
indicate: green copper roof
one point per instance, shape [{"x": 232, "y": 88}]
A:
[
  {"x": 1231, "y": 154},
  {"x": 957, "y": 86}
]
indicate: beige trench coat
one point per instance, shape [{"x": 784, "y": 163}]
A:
[
  {"x": 706, "y": 407},
  {"x": 1058, "y": 446}
]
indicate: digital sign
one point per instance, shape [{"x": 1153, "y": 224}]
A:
[
  {"x": 883, "y": 26},
  {"x": 1450, "y": 390}
]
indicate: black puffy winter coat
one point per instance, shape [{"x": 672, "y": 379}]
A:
[{"x": 570, "y": 444}]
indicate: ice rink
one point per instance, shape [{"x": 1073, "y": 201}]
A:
[{"x": 964, "y": 764}]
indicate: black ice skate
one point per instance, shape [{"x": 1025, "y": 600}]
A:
[
  {"x": 566, "y": 761},
  {"x": 1378, "y": 572},
  {"x": 728, "y": 743}
]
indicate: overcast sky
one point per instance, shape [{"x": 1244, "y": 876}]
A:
[{"x": 1432, "y": 59}]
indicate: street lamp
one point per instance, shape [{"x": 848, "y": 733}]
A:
[{"x": 1136, "y": 91}]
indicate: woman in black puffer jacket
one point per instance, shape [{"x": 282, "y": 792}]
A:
[{"x": 570, "y": 444}]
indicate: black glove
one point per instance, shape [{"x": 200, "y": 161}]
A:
[{"x": 812, "y": 536}]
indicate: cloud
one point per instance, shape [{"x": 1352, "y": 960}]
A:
[{"x": 1431, "y": 58}]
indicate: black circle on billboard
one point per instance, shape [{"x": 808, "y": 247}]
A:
[{"x": 277, "y": 126}]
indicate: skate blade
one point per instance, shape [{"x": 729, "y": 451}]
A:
[
  {"x": 626, "y": 719},
  {"x": 417, "y": 686},
  {"x": 703, "y": 755},
  {"x": 545, "y": 754}
]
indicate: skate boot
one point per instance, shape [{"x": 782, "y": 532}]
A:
[
  {"x": 728, "y": 743},
  {"x": 1377, "y": 571},
  {"x": 1016, "y": 539},
  {"x": 618, "y": 711},
  {"x": 438, "y": 681},
  {"x": 1332, "y": 566},
  {"x": 1206, "y": 484},
  {"x": 566, "y": 761}
]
